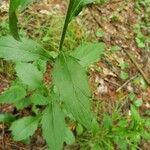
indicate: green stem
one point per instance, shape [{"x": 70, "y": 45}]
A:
[
  {"x": 67, "y": 20},
  {"x": 13, "y": 6}
]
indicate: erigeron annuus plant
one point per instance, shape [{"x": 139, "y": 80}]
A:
[{"x": 69, "y": 91}]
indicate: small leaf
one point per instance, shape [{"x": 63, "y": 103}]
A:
[
  {"x": 41, "y": 65},
  {"x": 35, "y": 109},
  {"x": 135, "y": 114},
  {"x": 115, "y": 48},
  {"x": 124, "y": 75},
  {"x": 146, "y": 135},
  {"x": 132, "y": 96},
  {"x": 7, "y": 118},
  {"x": 140, "y": 40},
  {"x": 12, "y": 95},
  {"x": 69, "y": 138},
  {"x": 79, "y": 129},
  {"x": 29, "y": 74},
  {"x": 24, "y": 128},
  {"x": 96, "y": 147},
  {"x": 138, "y": 103},
  {"x": 53, "y": 126},
  {"x": 124, "y": 65},
  {"x": 147, "y": 122},
  {"x": 135, "y": 136},
  {"x": 23, "y": 103},
  {"x": 100, "y": 34},
  {"x": 107, "y": 121},
  {"x": 39, "y": 99},
  {"x": 89, "y": 53},
  {"x": 123, "y": 123},
  {"x": 121, "y": 142}
]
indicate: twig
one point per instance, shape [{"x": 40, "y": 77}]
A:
[
  {"x": 138, "y": 67},
  {"x": 20, "y": 147},
  {"x": 109, "y": 81},
  {"x": 43, "y": 148},
  {"x": 122, "y": 86},
  {"x": 95, "y": 19}
]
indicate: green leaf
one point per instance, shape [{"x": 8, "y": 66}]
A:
[
  {"x": 29, "y": 74},
  {"x": 53, "y": 126},
  {"x": 42, "y": 65},
  {"x": 135, "y": 136},
  {"x": 69, "y": 137},
  {"x": 124, "y": 75},
  {"x": 138, "y": 103},
  {"x": 121, "y": 142},
  {"x": 7, "y": 118},
  {"x": 100, "y": 33},
  {"x": 147, "y": 122},
  {"x": 89, "y": 53},
  {"x": 39, "y": 99},
  {"x": 71, "y": 80},
  {"x": 107, "y": 121},
  {"x": 25, "y": 3},
  {"x": 12, "y": 95},
  {"x": 124, "y": 65},
  {"x": 24, "y": 128},
  {"x": 146, "y": 135},
  {"x": 35, "y": 109},
  {"x": 140, "y": 40},
  {"x": 23, "y": 103},
  {"x": 79, "y": 129},
  {"x": 115, "y": 48},
  {"x": 132, "y": 96},
  {"x": 25, "y": 50},
  {"x": 96, "y": 147},
  {"x": 135, "y": 114},
  {"x": 123, "y": 123},
  {"x": 13, "y": 7},
  {"x": 75, "y": 6}
]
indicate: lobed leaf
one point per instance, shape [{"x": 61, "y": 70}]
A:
[
  {"x": 72, "y": 83},
  {"x": 53, "y": 126},
  {"x": 12, "y": 95},
  {"x": 23, "y": 103},
  {"x": 23, "y": 128},
  {"x": 39, "y": 99},
  {"x": 89, "y": 53},
  {"x": 25, "y": 50},
  {"x": 69, "y": 137},
  {"x": 29, "y": 74}
]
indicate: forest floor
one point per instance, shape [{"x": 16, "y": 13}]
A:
[{"x": 123, "y": 74}]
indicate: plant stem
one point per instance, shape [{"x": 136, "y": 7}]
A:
[{"x": 67, "y": 20}]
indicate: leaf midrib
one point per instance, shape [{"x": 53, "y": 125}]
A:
[{"x": 73, "y": 85}]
